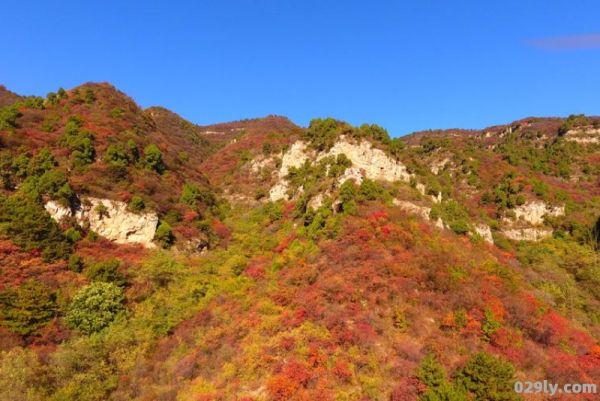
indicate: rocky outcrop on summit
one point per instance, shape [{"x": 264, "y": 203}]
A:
[
  {"x": 366, "y": 161},
  {"x": 374, "y": 162},
  {"x": 113, "y": 222}
]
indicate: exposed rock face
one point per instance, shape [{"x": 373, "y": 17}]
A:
[
  {"x": 485, "y": 232},
  {"x": 258, "y": 164},
  {"x": 366, "y": 162},
  {"x": 316, "y": 201},
  {"x": 409, "y": 207},
  {"x": 527, "y": 234},
  {"x": 583, "y": 135},
  {"x": 117, "y": 224},
  {"x": 534, "y": 212},
  {"x": 351, "y": 173},
  {"x": 374, "y": 162},
  {"x": 438, "y": 166},
  {"x": 279, "y": 190},
  {"x": 294, "y": 157}
]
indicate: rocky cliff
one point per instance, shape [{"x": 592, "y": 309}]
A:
[{"x": 110, "y": 219}]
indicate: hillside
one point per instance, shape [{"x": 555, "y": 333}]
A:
[{"x": 144, "y": 257}]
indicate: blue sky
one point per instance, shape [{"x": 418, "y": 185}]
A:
[{"x": 406, "y": 65}]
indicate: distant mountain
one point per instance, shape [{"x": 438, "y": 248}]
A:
[{"x": 144, "y": 257}]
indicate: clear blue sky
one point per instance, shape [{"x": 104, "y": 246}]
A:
[{"x": 407, "y": 65}]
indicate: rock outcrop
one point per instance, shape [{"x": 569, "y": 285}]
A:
[
  {"x": 367, "y": 162},
  {"x": 527, "y": 234},
  {"x": 583, "y": 135},
  {"x": 485, "y": 232},
  {"x": 409, "y": 207},
  {"x": 534, "y": 212},
  {"x": 375, "y": 164},
  {"x": 115, "y": 222}
]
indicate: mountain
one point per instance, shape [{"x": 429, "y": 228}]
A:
[{"x": 144, "y": 257}]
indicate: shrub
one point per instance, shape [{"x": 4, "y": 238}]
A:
[
  {"x": 106, "y": 272},
  {"x": 322, "y": 133},
  {"x": 27, "y": 308},
  {"x": 432, "y": 374},
  {"x": 116, "y": 155},
  {"x": 371, "y": 190},
  {"x": 373, "y": 131},
  {"x": 29, "y": 226},
  {"x": 33, "y": 102},
  {"x": 42, "y": 162},
  {"x": 153, "y": 158},
  {"x": 164, "y": 235},
  {"x": 90, "y": 96},
  {"x": 22, "y": 376},
  {"x": 488, "y": 378},
  {"x": 75, "y": 263},
  {"x": 73, "y": 235},
  {"x": 8, "y": 118},
  {"x": 101, "y": 210},
  {"x": 348, "y": 195},
  {"x": 94, "y": 307},
  {"x": 133, "y": 150},
  {"x": 192, "y": 193},
  {"x": 136, "y": 204}
]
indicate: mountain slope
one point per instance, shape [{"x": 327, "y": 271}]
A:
[{"x": 323, "y": 263}]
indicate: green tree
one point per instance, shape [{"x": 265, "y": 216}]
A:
[
  {"x": 153, "y": 158},
  {"x": 42, "y": 162},
  {"x": 322, "y": 133},
  {"x": 164, "y": 235},
  {"x": 348, "y": 196},
  {"x": 371, "y": 190},
  {"x": 106, "y": 271},
  {"x": 94, "y": 307},
  {"x": 28, "y": 225},
  {"x": 27, "y": 308},
  {"x": 432, "y": 374},
  {"x": 116, "y": 155},
  {"x": 136, "y": 204},
  {"x": 488, "y": 378},
  {"x": 8, "y": 118}
]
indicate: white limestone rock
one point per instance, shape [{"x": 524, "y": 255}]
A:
[
  {"x": 527, "y": 234},
  {"x": 584, "y": 136},
  {"x": 366, "y": 161},
  {"x": 534, "y": 212},
  {"x": 485, "y": 232},
  {"x": 315, "y": 202},
  {"x": 374, "y": 162},
  {"x": 409, "y": 207},
  {"x": 118, "y": 224}
]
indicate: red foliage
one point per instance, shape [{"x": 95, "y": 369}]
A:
[
  {"x": 255, "y": 269},
  {"x": 284, "y": 385},
  {"x": 283, "y": 245},
  {"x": 221, "y": 229},
  {"x": 553, "y": 328},
  {"x": 408, "y": 389},
  {"x": 341, "y": 370},
  {"x": 190, "y": 215}
]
